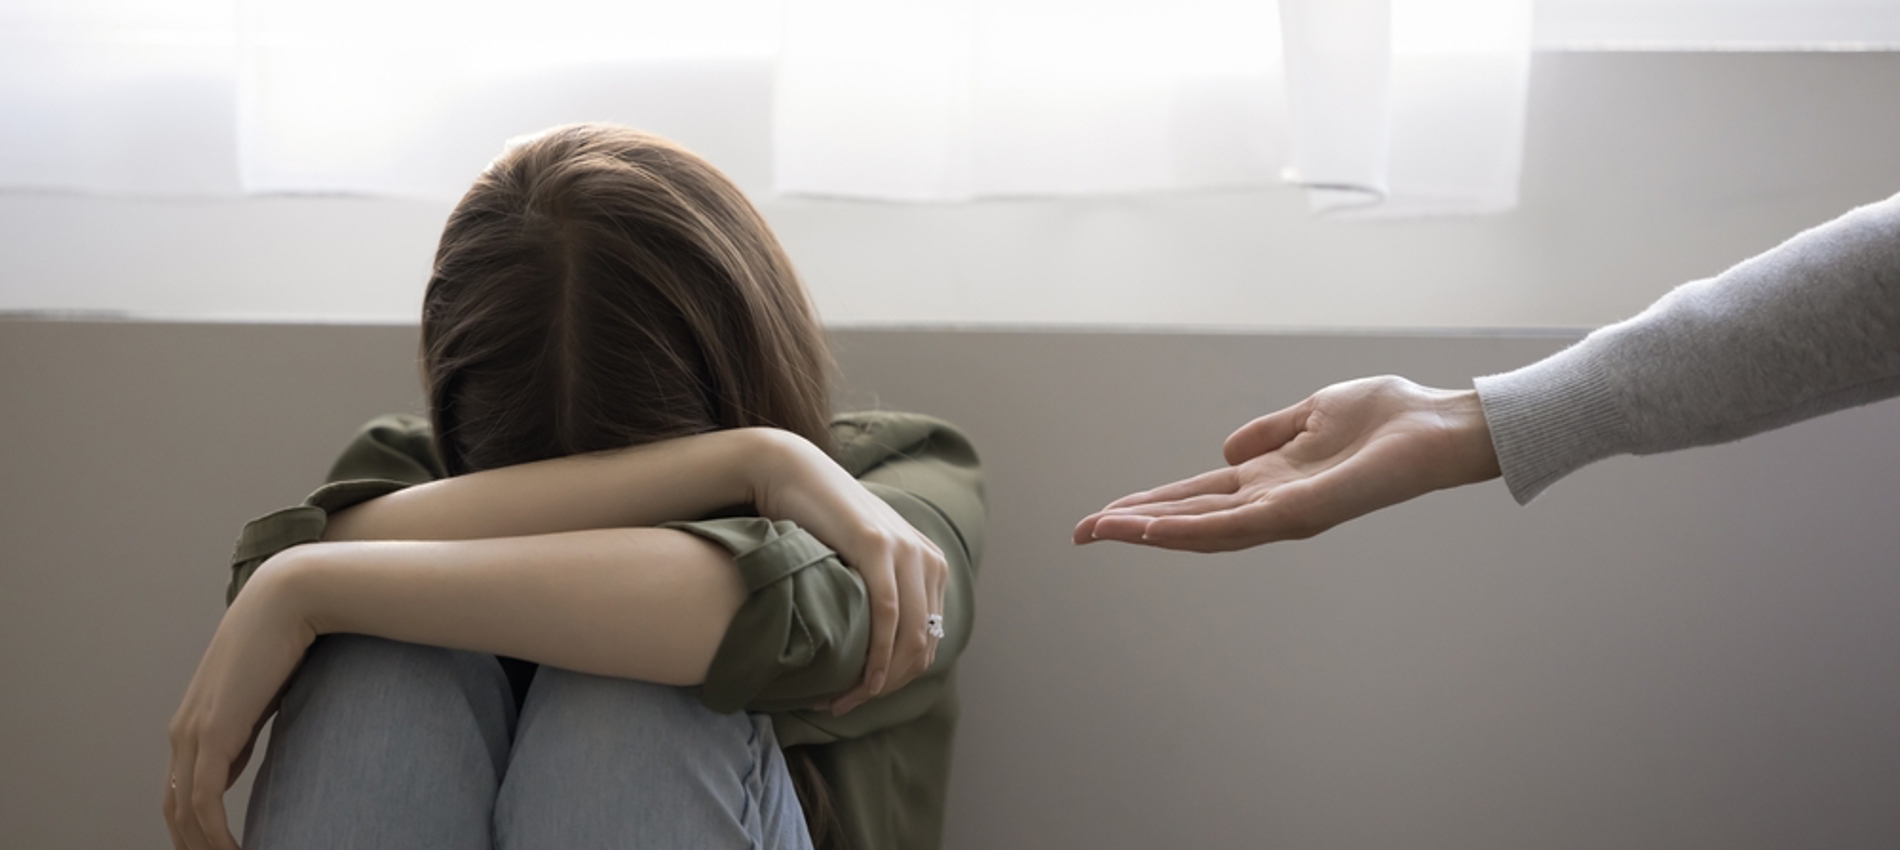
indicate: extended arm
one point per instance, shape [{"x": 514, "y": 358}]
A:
[{"x": 1810, "y": 327}]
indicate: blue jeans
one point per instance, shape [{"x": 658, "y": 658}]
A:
[{"x": 386, "y": 744}]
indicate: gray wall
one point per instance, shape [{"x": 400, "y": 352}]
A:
[{"x": 1696, "y": 650}]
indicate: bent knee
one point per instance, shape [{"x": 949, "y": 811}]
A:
[
  {"x": 633, "y": 717},
  {"x": 360, "y": 667},
  {"x": 580, "y": 696}
]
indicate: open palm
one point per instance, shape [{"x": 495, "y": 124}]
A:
[{"x": 1345, "y": 451}]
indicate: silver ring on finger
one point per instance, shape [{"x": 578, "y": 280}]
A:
[{"x": 933, "y": 626}]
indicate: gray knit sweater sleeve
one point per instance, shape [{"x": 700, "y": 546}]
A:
[{"x": 1810, "y": 327}]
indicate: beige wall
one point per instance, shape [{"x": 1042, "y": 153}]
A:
[{"x": 1689, "y": 651}]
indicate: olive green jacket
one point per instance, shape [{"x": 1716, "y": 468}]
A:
[{"x": 802, "y": 635}]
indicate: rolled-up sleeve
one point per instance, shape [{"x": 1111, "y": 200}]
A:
[
  {"x": 387, "y": 454},
  {"x": 803, "y": 632},
  {"x": 264, "y": 537}
]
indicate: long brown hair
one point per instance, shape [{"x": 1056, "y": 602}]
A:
[{"x": 599, "y": 288}]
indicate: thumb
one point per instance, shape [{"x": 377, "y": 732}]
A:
[{"x": 1267, "y": 433}]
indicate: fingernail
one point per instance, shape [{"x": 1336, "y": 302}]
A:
[{"x": 877, "y": 682}]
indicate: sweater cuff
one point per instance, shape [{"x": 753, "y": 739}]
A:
[{"x": 1550, "y": 419}]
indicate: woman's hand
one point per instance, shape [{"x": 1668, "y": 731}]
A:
[
  {"x": 256, "y": 648},
  {"x": 904, "y": 572},
  {"x": 1345, "y": 451}
]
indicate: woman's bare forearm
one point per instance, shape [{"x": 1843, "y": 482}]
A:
[
  {"x": 638, "y": 603},
  {"x": 685, "y": 478},
  {"x": 780, "y": 475}
]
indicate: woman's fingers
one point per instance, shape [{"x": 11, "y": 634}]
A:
[
  {"x": 1278, "y": 508},
  {"x": 1269, "y": 502},
  {"x": 936, "y": 607},
  {"x": 919, "y": 572},
  {"x": 1220, "y": 480},
  {"x": 1126, "y": 528},
  {"x": 178, "y": 815},
  {"x": 184, "y": 813},
  {"x": 913, "y": 638},
  {"x": 899, "y": 564},
  {"x": 903, "y": 570},
  {"x": 880, "y": 584},
  {"x": 207, "y": 801},
  {"x": 1190, "y": 505},
  {"x": 173, "y": 826},
  {"x": 1238, "y": 527},
  {"x": 1347, "y": 450},
  {"x": 909, "y": 647},
  {"x": 194, "y": 797},
  {"x": 1130, "y": 524},
  {"x": 1211, "y": 482},
  {"x": 1266, "y": 433},
  {"x": 254, "y": 651}
]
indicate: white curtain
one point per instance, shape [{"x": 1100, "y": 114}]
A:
[
  {"x": 1376, "y": 107},
  {"x": 413, "y": 98},
  {"x": 955, "y": 99},
  {"x": 1407, "y": 107},
  {"x": 118, "y": 96}
]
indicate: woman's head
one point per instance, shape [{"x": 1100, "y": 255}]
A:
[{"x": 599, "y": 288}]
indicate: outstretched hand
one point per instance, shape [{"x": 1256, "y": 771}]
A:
[{"x": 1346, "y": 451}]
